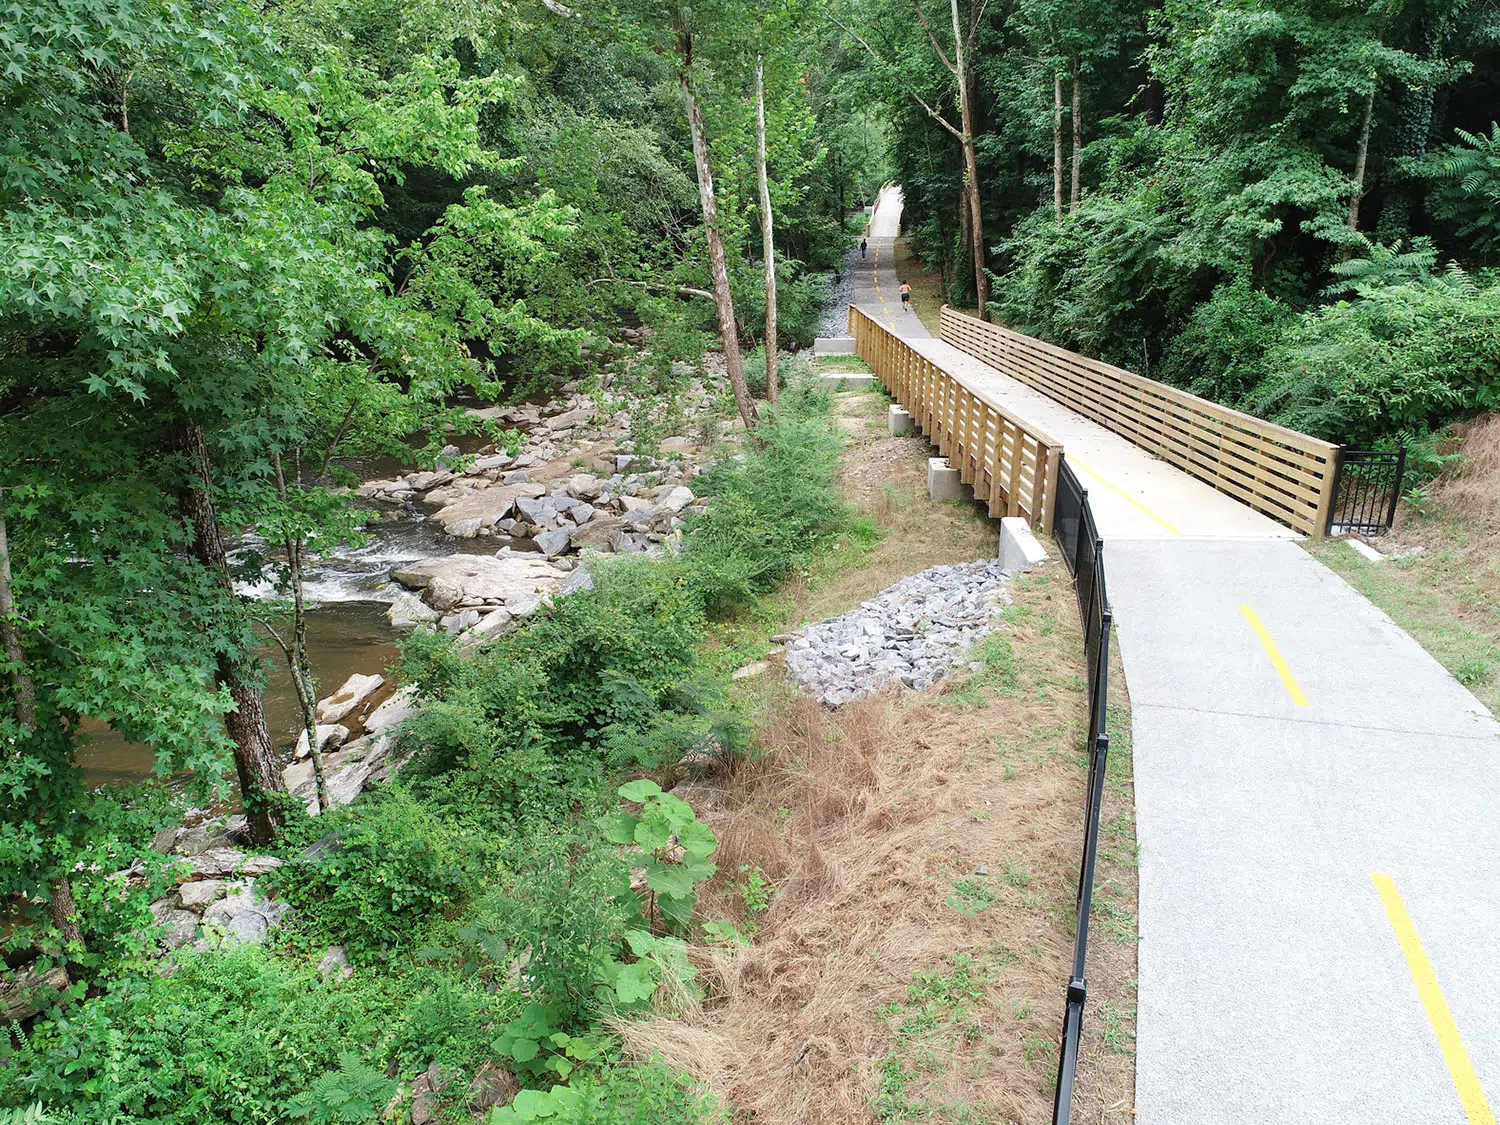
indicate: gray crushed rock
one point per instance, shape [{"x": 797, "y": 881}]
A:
[{"x": 911, "y": 633}]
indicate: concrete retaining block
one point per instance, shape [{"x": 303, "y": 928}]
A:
[
  {"x": 846, "y": 381},
  {"x": 943, "y": 482},
  {"x": 1019, "y": 549},
  {"x": 833, "y": 345},
  {"x": 899, "y": 420}
]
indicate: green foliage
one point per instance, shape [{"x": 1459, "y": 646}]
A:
[
  {"x": 606, "y": 679},
  {"x": 355, "y": 1092},
  {"x": 1467, "y": 189},
  {"x": 1407, "y": 357},
  {"x": 674, "y": 850},
  {"x": 771, "y": 512},
  {"x": 240, "y": 1036},
  {"x": 1221, "y": 352},
  {"x": 618, "y": 1095},
  {"x": 393, "y": 865}
]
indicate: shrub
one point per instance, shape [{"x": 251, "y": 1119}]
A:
[
  {"x": 1410, "y": 356},
  {"x": 234, "y": 1036},
  {"x": 395, "y": 864},
  {"x": 770, "y": 513},
  {"x": 1221, "y": 354},
  {"x": 603, "y": 680},
  {"x": 620, "y": 1095}
]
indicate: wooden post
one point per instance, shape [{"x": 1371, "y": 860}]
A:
[{"x": 1327, "y": 496}]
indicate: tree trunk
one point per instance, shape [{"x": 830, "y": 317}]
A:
[
  {"x": 1057, "y": 144},
  {"x": 60, "y": 905},
  {"x": 971, "y": 164},
  {"x": 254, "y": 756},
  {"x": 1361, "y": 155},
  {"x": 1076, "y": 191},
  {"x": 767, "y": 243},
  {"x": 10, "y": 636},
  {"x": 296, "y": 653},
  {"x": 723, "y": 299}
]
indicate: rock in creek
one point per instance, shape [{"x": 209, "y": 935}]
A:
[
  {"x": 355, "y": 690},
  {"x": 480, "y": 579},
  {"x": 909, "y": 634}
]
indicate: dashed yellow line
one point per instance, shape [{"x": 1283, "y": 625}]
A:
[
  {"x": 1460, "y": 1069},
  {"x": 1123, "y": 494},
  {"x": 1283, "y": 670}
]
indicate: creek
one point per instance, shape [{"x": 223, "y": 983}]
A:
[{"x": 347, "y": 629}]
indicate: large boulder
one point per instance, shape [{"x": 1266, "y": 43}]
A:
[
  {"x": 570, "y": 419},
  {"x": 597, "y": 533},
  {"x": 245, "y": 918},
  {"x": 330, "y": 737},
  {"x": 355, "y": 690},
  {"x": 176, "y": 926},
  {"x": 219, "y": 863},
  {"x": 676, "y": 499},
  {"x": 466, "y": 515},
  {"x": 490, "y": 625},
  {"x": 28, "y": 991},
  {"x": 408, "y": 610},
  {"x": 553, "y": 543},
  {"x": 482, "y": 579}
]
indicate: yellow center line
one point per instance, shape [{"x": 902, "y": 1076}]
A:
[
  {"x": 1465, "y": 1080},
  {"x": 1283, "y": 670},
  {"x": 1120, "y": 492}
]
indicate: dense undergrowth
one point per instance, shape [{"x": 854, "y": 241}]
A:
[{"x": 488, "y": 909}]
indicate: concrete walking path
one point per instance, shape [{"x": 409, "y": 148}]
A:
[{"x": 1318, "y": 811}]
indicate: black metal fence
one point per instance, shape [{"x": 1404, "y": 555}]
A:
[
  {"x": 1078, "y": 539},
  {"x": 1365, "y": 491}
]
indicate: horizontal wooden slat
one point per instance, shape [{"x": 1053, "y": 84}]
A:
[
  {"x": 1011, "y": 464},
  {"x": 1281, "y": 472}
]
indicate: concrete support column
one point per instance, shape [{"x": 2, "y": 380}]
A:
[
  {"x": 899, "y": 420},
  {"x": 942, "y": 480}
]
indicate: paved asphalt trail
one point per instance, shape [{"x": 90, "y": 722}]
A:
[{"x": 1318, "y": 808}]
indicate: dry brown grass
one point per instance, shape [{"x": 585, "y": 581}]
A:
[
  {"x": 1444, "y": 585},
  {"x": 1472, "y": 491},
  {"x": 923, "y": 851}
]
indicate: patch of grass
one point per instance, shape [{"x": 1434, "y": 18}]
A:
[
  {"x": 842, "y": 365},
  {"x": 1435, "y": 595},
  {"x": 997, "y": 674}
]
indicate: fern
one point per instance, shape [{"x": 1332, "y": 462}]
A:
[
  {"x": 1386, "y": 265},
  {"x": 1468, "y": 191},
  {"x": 356, "y": 1092}
]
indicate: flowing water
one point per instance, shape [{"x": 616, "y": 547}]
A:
[{"x": 347, "y": 629}]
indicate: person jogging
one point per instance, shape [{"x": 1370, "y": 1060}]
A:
[
  {"x": 905, "y": 297},
  {"x": 863, "y": 246}
]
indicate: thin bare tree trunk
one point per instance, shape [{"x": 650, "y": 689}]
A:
[
  {"x": 296, "y": 653},
  {"x": 1361, "y": 155},
  {"x": 254, "y": 756},
  {"x": 718, "y": 266},
  {"x": 1076, "y": 191},
  {"x": 1057, "y": 144},
  {"x": 60, "y": 905},
  {"x": 767, "y": 243},
  {"x": 971, "y": 163}
]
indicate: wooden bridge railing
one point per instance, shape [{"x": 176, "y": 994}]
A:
[
  {"x": 1011, "y": 465},
  {"x": 1288, "y": 475}
]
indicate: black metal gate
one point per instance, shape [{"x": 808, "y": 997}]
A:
[{"x": 1366, "y": 491}]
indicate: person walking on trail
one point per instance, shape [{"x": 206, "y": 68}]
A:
[
  {"x": 863, "y": 246},
  {"x": 905, "y": 296}
]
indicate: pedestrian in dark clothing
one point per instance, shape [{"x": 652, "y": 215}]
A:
[{"x": 862, "y": 246}]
